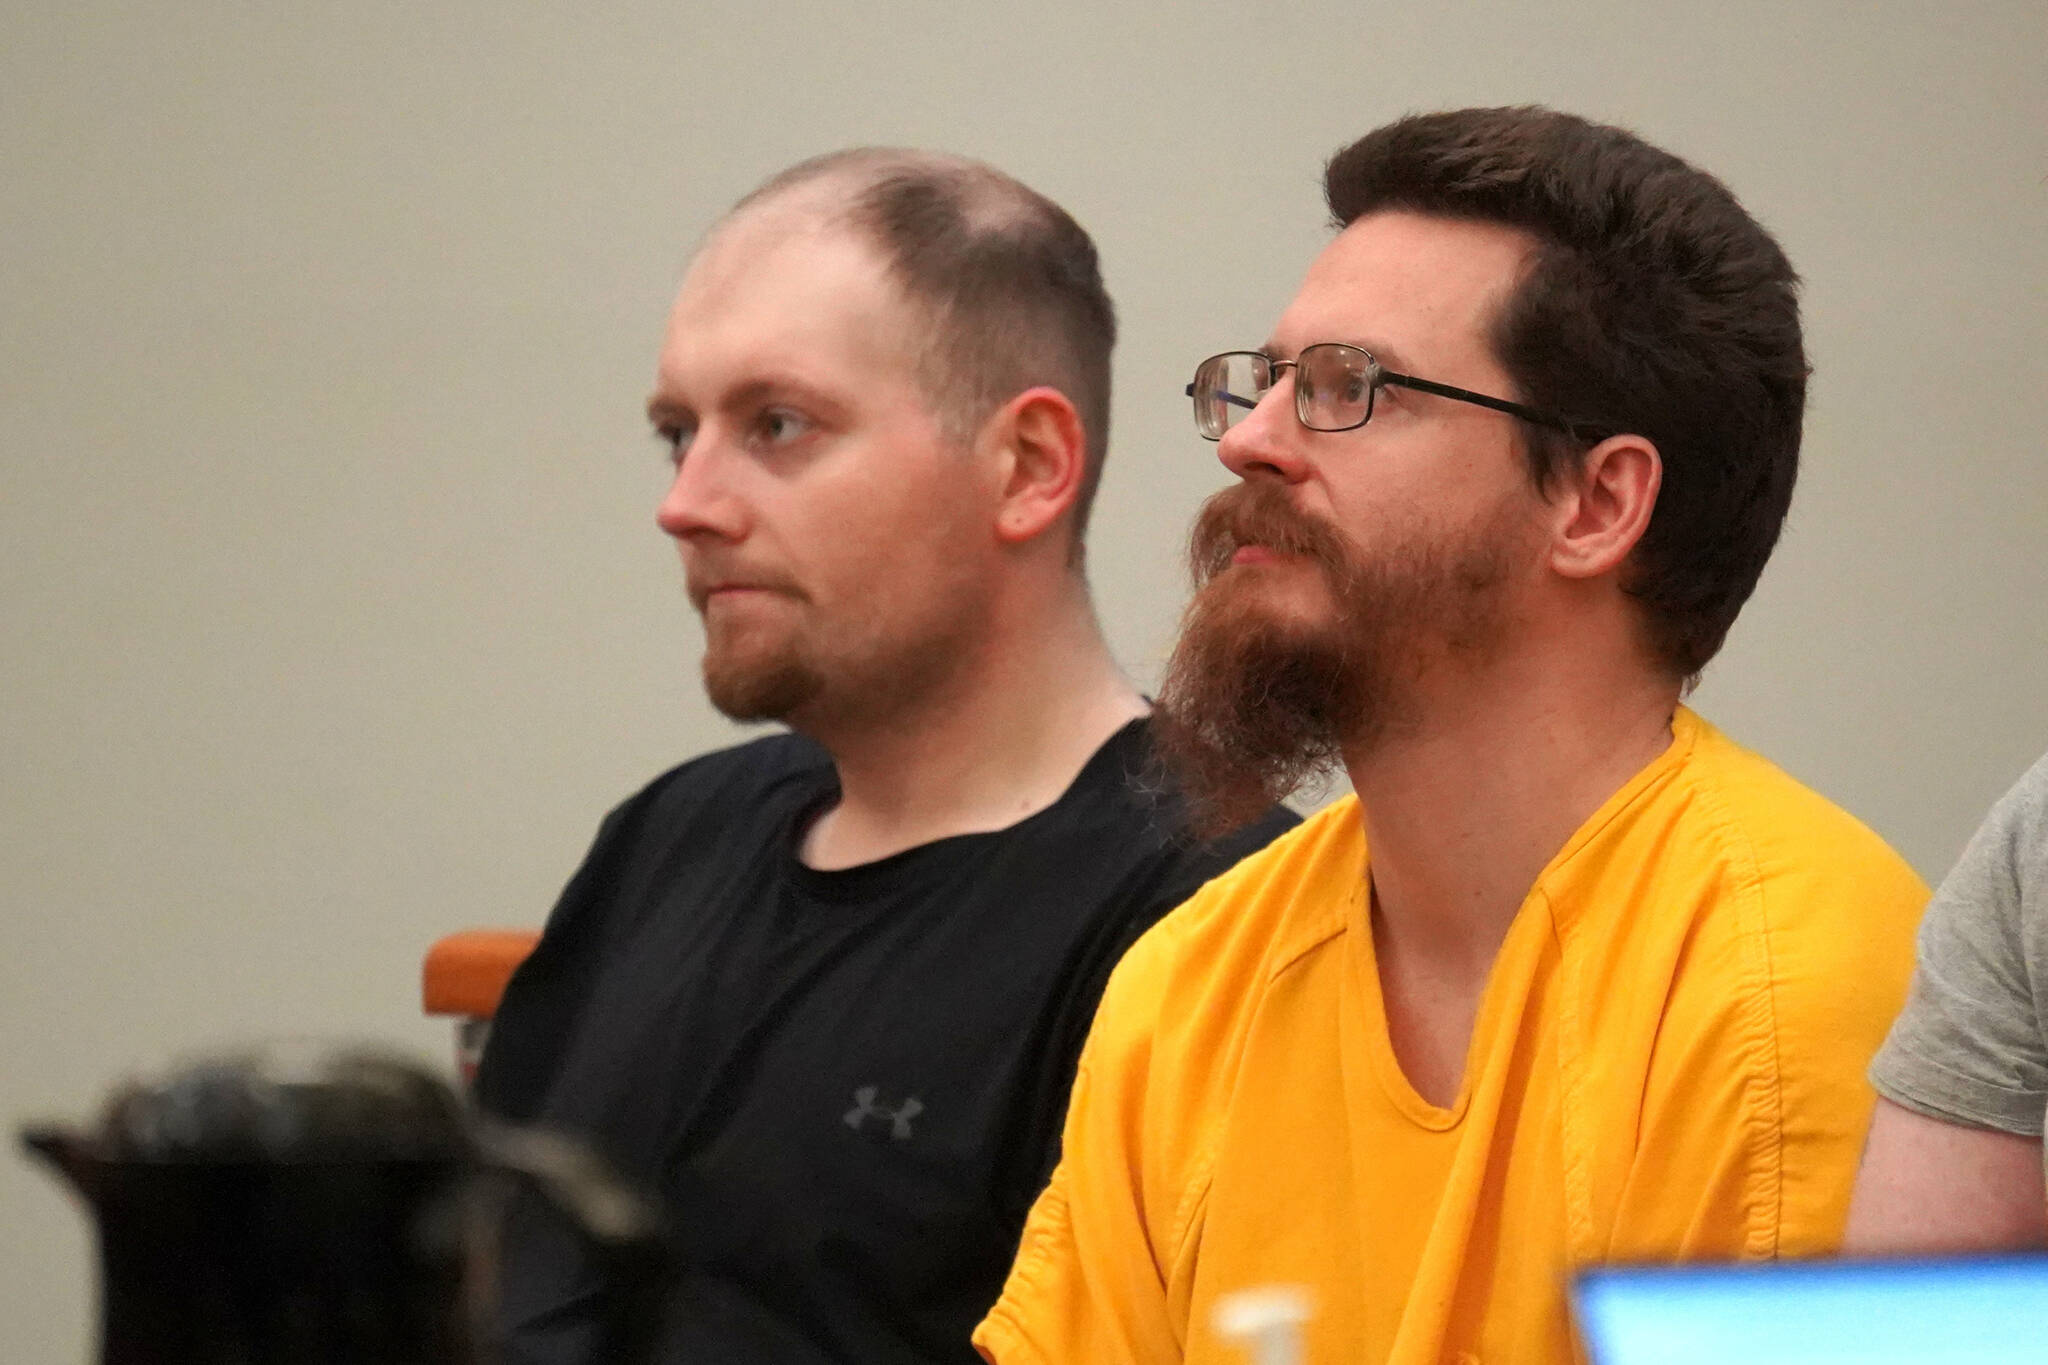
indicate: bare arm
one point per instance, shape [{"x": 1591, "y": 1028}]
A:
[{"x": 1930, "y": 1186}]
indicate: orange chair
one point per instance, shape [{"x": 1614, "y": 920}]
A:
[{"x": 464, "y": 976}]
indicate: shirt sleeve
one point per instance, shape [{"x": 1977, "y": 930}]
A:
[
  {"x": 1970, "y": 1046},
  {"x": 1090, "y": 1279},
  {"x": 1756, "y": 1106}
]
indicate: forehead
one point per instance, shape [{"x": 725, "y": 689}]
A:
[
  {"x": 1414, "y": 288},
  {"x": 771, "y": 290}
]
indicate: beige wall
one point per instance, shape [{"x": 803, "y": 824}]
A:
[{"x": 334, "y": 611}]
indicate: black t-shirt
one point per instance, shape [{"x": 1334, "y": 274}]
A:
[{"x": 847, "y": 1086}]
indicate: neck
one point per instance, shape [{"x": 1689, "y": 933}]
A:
[
  {"x": 1464, "y": 808},
  {"x": 1000, "y": 738}
]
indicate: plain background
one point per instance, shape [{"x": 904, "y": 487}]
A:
[{"x": 334, "y": 611}]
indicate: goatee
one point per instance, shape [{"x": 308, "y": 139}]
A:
[
  {"x": 753, "y": 673},
  {"x": 756, "y": 689}
]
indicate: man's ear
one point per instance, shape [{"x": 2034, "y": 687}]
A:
[
  {"x": 1042, "y": 447},
  {"x": 1604, "y": 505}
]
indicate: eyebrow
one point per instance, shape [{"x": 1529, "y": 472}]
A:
[
  {"x": 661, "y": 408},
  {"x": 664, "y": 410},
  {"x": 1388, "y": 357}
]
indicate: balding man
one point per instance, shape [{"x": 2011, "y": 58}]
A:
[{"x": 825, "y": 990}]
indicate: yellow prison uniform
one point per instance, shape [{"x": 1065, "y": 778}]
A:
[{"x": 1667, "y": 1061}]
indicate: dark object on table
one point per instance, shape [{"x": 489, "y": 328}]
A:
[{"x": 258, "y": 1210}]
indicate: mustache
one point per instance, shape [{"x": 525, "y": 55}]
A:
[
  {"x": 700, "y": 580},
  {"x": 1260, "y": 514}
]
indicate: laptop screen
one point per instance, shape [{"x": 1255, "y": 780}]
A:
[{"x": 1986, "y": 1310}]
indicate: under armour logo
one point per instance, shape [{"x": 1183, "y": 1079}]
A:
[{"x": 865, "y": 1108}]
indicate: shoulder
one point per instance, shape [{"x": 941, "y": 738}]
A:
[
  {"x": 1751, "y": 922},
  {"x": 1757, "y": 939},
  {"x": 1998, "y": 888},
  {"x": 1969, "y": 1046},
  {"x": 2006, "y": 860},
  {"x": 1792, "y": 893},
  {"x": 1119, "y": 839},
  {"x": 1806, "y": 861},
  {"x": 713, "y": 809},
  {"x": 1784, "y": 820},
  {"x": 2025, "y": 807},
  {"x": 728, "y": 785},
  {"x": 1794, "y": 962},
  {"x": 719, "y": 808},
  {"x": 1189, "y": 986},
  {"x": 1163, "y": 1057},
  {"x": 759, "y": 764}
]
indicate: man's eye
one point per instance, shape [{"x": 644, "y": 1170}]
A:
[
  {"x": 676, "y": 436},
  {"x": 779, "y": 426}
]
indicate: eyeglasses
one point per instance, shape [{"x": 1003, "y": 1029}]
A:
[{"x": 1334, "y": 386}]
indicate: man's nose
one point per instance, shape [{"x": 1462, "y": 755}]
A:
[
  {"x": 1268, "y": 439},
  {"x": 700, "y": 500}
]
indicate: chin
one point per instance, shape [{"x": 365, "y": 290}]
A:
[{"x": 758, "y": 685}]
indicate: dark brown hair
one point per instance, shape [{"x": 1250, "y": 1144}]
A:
[
  {"x": 1653, "y": 304},
  {"x": 1009, "y": 283}
]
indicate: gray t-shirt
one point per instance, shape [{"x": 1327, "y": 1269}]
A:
[{"x": 1971, "y": 1046}]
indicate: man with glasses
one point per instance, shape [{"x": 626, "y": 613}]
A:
[
  {"x": 1572, "y": 977},
  {"x": 824, "y": 991}
]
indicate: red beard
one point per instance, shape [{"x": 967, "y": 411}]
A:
[{"x": 1258, "y": 702}]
